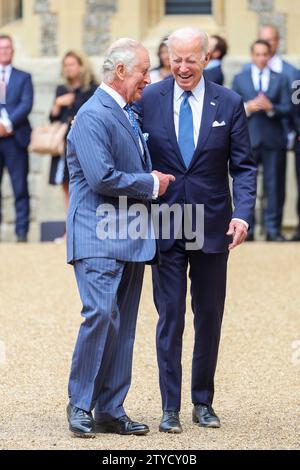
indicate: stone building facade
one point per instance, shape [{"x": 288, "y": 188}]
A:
[{"x": 44, "y": 30}]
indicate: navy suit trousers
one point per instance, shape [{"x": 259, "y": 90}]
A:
[
  {"x": 207, "y": 273},
  {"x": 15, "y": 159},
  {"x": 274, "y": 170}
]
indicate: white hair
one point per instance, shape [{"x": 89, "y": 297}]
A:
[
  {"x": 187, "y": 35},
  {"x": 122, "y": 51}
]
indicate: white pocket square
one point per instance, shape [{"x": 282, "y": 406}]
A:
[{"x": 219, "y": 124}]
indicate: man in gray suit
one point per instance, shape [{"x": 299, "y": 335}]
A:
[{"x": 110, "y": 171}]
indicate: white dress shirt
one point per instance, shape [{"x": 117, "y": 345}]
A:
[
  {"x": 196, "y": 102},
  {"x": 4, "y": 117},
  {"x": 276, "y": 63},
  {"x": 265, "y": 78},
  {"x": 122, "y": 103}
]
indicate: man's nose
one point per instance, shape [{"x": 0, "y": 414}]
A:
[
  {"x": 147, "y": 79},
  {"x": 183, "y": 67}
]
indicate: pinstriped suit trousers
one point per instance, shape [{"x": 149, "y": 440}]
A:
[{"x": 102, "y": 361}]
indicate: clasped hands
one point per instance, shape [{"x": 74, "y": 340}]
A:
[{"x": 260, "y": 103}]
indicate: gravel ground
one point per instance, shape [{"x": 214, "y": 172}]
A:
[{"x": 257, "y": 382}]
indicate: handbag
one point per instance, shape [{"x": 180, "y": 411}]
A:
[{"x": 49, "y": 139}]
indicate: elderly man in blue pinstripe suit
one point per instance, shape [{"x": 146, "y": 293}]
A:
[{"x": 108, "y": 159}]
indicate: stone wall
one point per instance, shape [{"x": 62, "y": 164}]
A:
[{"x": 267, "y": 14}]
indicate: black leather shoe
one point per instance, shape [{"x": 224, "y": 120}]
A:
[
  {"x": 170, "y": 422},
  {"x": 204, "y": 416},
  {"x": 123, "y": 425},
  {"x": 295, "y": 237},
  {"x": 278, "y": 237},
  {"x": 81, "y": 423},
  {"x": 22, "y": 238}
]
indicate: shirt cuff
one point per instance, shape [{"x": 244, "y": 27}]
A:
[
  {"x": 243, "y": 222},
  {"x": 248, "y": 114},
  {"x": 155, "y": 187}
]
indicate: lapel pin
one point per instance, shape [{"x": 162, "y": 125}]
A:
[{"x": 212, "y": 103}]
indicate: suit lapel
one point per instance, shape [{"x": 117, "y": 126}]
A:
[
  {"x": 147, "y": 158},
  {"x": 250, "y": 86},
  {"x": 167, "y": 107},
  {"x": 272, "y": 85},
  {"x": 119, "y": 114},
  {"x": 11, "y": 84},
  {"x": 210, "y": 107}
]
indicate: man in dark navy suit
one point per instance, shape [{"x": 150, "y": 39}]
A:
[
  {"x": 218, "y": 49},
  {"x": 276, "y": 63},
  {"x": 196, "y": 129},
  {"x": 267, "y": 101},
  {"x": 16, "y": 99}
]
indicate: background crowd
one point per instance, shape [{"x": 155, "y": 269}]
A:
[{"x": 265, "y": 84}]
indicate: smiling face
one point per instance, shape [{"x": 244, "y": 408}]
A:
[
  {"x": 187, "y": 62},
  {"x": 131, "y": 83}
]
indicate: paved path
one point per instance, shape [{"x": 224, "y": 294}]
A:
[{"x": 258, "y": 378}]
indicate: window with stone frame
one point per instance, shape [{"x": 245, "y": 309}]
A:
[
  {"x": 188, "y": 7},
  {"x": 10, "y": 10}
]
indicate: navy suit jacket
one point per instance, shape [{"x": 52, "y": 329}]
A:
[
  {"x": 206, "y": 181},
  {"x": 215, "y": 75},
  {"x": 105, "y": 162},
  {"x": 265, "y": 130},
  {"x": 19, "y": 101},
  {"x": 291, "y": 73}
]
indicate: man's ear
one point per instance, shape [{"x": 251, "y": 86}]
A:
[
  {"x": 207, "y": 58},
  {"x": 120, "y": 71}
]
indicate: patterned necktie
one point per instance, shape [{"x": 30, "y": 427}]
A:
[
  {"x": 2, "y": 87},
  {"x": 132, "y": 120},
  {"x": 186, "y": 130}
]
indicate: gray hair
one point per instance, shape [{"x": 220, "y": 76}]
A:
[
  {"x": 122, "y": 51},
  {"x": 186, "y": 35}
]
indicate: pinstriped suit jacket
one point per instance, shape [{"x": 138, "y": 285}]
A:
[{"x": 105, "y": 162}]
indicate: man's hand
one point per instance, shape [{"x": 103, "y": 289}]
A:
[
  {"x": 65, "y": 100},
  {"x": 3, "y": 131},
  {"x": 252, "y": 106},
  {"x": 264, "y": 103},
  {"x": 164, "y": 181},
  {"x": 239, "y": 232}
]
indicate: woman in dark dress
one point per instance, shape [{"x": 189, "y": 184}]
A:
[{"x": 79, "y": 85}]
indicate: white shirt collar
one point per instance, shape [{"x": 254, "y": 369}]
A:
[
  {"x": 213, "y": 63},
  {"x": 276, "y": 63},
  {"x": 114, "y": 94},
  {"x": 257, "y": 71},
  {"x": 198, "y": 91},
  {"x": 7, "y": 68}
]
